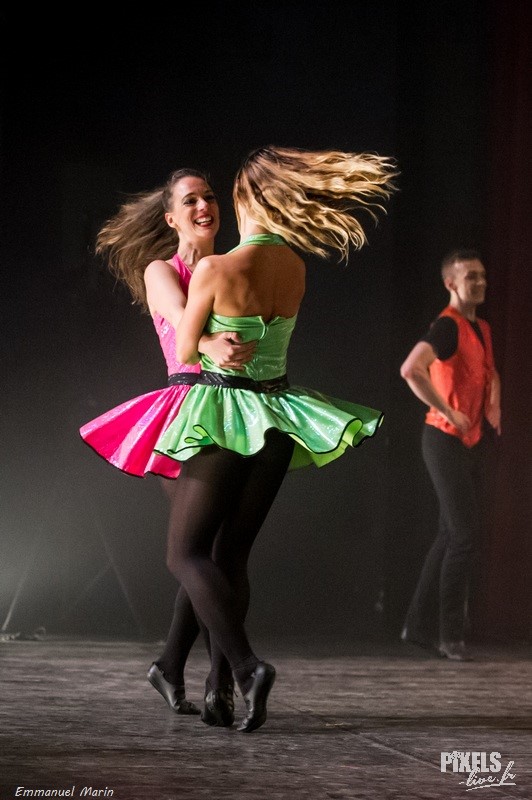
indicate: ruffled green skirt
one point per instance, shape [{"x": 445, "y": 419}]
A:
[{"x": 322, "y": 427}]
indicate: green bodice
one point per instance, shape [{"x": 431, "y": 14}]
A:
[{"x": 273, "y": 338}]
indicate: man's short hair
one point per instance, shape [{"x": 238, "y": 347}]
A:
[{"x": 462, "y": 254}]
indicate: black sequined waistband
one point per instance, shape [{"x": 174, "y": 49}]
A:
[{"x": 228, "y": 381}]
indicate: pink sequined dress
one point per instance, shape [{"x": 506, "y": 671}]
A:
[{"x": 126, "y": 435}]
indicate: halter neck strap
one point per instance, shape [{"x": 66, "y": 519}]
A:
[{"x": 260, "y": 238}]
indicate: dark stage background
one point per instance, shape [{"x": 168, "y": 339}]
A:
[{"x": 104, "y": 109}]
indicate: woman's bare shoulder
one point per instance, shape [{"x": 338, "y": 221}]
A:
[
  {"x": 213, "y": 265},
  {"x": 157, "y": 267}
]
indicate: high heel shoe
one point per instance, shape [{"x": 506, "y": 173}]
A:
[
  {"x": 255, "y": 699},
  {"x": 174, "y": 695},
  {"x": 219, "y": 708}
]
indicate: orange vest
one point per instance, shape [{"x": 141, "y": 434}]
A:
[{"x": 464, "y": 379}]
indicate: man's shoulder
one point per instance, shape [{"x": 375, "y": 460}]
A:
[
  {"x": 442, "y": 335},
  {"x": 449, "y": 313},
  {"x": 444, "y": 321}
]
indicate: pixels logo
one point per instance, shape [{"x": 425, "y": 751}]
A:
[{"x": 484, "y": 770}]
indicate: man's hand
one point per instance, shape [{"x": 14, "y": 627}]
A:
[
  {"x": 460, "y": 420},
  {"x": 227, "y": 350},
  {"x": 493, "y": 415}
]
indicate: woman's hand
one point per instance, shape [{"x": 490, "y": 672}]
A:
[{"x": 226, "y": 350}]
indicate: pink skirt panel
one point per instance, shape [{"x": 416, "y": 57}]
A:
[{"x": 126, "y": 435}]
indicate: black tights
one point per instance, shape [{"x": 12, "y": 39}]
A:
[
  {"x": 184, "y": 630},
  {"x": 219, "y": 504}
]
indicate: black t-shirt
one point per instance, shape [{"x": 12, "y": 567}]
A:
[{"x": 443, "y": 336}]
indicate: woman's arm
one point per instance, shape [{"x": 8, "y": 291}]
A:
[
  {"x": 196, "y": 312},
  {"x": 166, "y": 297},
  {"x": 163, "y": 292}
]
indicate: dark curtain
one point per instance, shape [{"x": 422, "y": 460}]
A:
[{"x": 504, "y": 609}]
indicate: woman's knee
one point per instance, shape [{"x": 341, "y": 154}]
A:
[
  {"x": 173, "y": 565},
  {"x": 176, "y": 560},
  {"x": 461, "y": 547}
]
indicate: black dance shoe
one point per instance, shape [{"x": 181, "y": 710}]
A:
[
  {"x": 255, "y": 699},
  {"x": 455, "y": 651},
  {"x": 174, "y": 695},
  {"x": 409, "y": 636},
  {"x": 219, "y": 709}
]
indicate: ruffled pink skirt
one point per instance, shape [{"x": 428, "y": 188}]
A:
[{"x": 126, "y": 435}]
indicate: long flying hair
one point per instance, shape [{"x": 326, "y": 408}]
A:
[{"x": 314, "y": 198}]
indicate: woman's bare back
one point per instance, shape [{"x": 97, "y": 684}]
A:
[{"x": 258, "y": 280}]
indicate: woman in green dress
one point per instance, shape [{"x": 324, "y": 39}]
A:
[{"x": 238, "y": 432}]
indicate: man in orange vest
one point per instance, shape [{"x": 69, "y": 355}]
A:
[{"x": 451, "y": 369}]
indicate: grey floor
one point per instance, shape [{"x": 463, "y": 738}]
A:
[{"x": 346, "y": 720}]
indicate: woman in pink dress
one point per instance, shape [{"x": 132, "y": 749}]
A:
[{"x": 139, "y": 244}]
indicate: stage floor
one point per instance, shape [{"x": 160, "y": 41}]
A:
[{"x": 345, "y": 720}]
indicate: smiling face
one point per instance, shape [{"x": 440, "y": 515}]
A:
[
  {"x": 468, "y": 281},
  {"x": 195, "y": 214}
]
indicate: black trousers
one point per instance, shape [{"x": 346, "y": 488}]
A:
[{"x": 458, "y": 474}]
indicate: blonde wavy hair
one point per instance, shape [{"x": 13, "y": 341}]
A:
[
  {"x": 311, "y": 197},
  {"x": 138, "y": 234}
]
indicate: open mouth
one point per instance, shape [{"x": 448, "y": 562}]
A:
[{"x": 204, "y": 222}]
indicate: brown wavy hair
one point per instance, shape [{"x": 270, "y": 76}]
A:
[{"x": 138, "y": 234}]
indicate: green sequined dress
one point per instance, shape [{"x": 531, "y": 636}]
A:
[{"x": 237, "y": 419}]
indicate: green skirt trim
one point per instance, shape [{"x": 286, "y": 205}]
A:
[{"x": 322, "y": 427}]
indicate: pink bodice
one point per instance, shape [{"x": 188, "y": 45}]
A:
[{"x": 166, "y": 332}]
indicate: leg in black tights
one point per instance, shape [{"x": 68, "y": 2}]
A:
[
  {"x": 184, "y": 628},
  {"x": 221, "y": 499},
  {"x": 235, "y": 539},
  {"x": 182, "y": 634}
]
